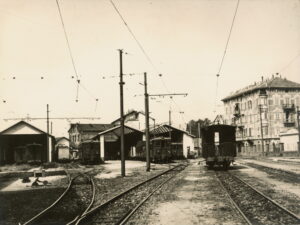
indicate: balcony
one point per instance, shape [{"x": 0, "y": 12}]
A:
[
  {"x": 288, "y": 107},
  {"x": 289, "y": 123}
]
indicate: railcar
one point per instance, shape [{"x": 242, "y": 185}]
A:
[
  {"x": 160, "y": 150},
  {"x": 89, "y": 152},
  {"x": 218, "y": 145}
]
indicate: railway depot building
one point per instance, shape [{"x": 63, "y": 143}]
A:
[
  {"x": 108, "y": 142},
  {"x": 262, "y": 113},
  {"x": 23, "y": 142},
  {"x": 181, "y": 143}
]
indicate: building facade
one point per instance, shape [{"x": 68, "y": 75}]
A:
[
  {"x": 23, "y": 143},
  {"x": 62, "y": 148},
  {"x": 261, "y": 112},
  {"x": 135, "y": 120},
  {"x": 83, "y": 132}
]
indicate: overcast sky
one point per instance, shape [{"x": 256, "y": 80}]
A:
[{"x": 185, "y": 40}]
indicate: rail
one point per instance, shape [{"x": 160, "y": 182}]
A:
[{"x": 129, "y": 214}]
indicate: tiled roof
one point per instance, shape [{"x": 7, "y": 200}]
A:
[{"x": 273, "y": 83}]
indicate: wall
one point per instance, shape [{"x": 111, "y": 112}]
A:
[
  {"x": 290, "y": 140},
  {"x": 188, "y": 143}
]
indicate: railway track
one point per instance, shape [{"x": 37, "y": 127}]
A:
[
  {"x": 76, "y": 200},
  {"x": 120, "y": 208},
  {"x": 288, "y": 175},
  {"x": 255, "y": 207}
]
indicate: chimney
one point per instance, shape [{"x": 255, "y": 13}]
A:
[
  {"x": 272, "y": 76},
  {"x": 262, "y": 78}
]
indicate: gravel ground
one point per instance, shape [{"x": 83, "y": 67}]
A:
[
  {"x": 19, "y": 206},
  {"x": 258, "y": 209},
  {"x": 282, "y": 165},
  {"x": 35, "y": 200},
  {"x": 192, "y": 197},
  {"x": 283, "y": 189}
]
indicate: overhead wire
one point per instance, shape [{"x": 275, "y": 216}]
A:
[
  {"x": 290, "y": 63},
  {"x": 225, "y": 51},
  {"x": 133, "y": 35},
  {"x": 142, "y": 48},
  {"x": 229, "y": 35},
  {"x": 67, "y": 39},
  {"x": 78, "y": 81}
]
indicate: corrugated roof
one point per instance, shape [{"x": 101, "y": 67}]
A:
[
  {"x": 273, "y": 83},
  {"x": 117, "y": 130},
  {"x": 167, "y": 128},
  {"x": 93, "y": 127}
]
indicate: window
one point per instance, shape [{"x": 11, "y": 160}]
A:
[
  {"x": 281, "y": 102},
  {"x": 266, "y": 130},
  {"x": 292, "y": 102},
  {"x": 250, "y": 134},
  {"x": 287, "y": 101},
  {"x": 270, "y": 102},
  {"x": 250, "y": 104}
]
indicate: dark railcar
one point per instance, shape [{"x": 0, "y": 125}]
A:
[
  {"x": 160, "y": 150},
  {"x": 218, "y": 145},
  {"x": 89, "y": 152}
]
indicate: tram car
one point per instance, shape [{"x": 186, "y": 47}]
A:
[
  {"x": 160, "y": 150},
  {"x": 89, "y": 152},
  {"x": 218, "y": 145}
]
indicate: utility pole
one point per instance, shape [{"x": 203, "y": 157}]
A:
[
  {"x": 261, "y": 129},
  {"x": 51, "y": 126},
  {"x": 170, "y": 120},
  {"x": 122, "y": 114},
  {"x": 49, "y": 153},
  {"x": 147, "y": 123},
  {"x": 298, "y": 121}
]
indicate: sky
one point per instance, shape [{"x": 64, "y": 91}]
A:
[{"x": 183, "y": 39}]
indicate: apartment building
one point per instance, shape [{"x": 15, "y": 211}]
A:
[{"x": 261, "y": 112}]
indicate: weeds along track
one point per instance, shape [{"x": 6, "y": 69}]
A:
[
  {"x": 120, "y": 208},
  {"x": 76, "y": 200},
  {"x": 254, "y": 206}
]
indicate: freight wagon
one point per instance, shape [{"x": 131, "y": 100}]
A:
[{"x": 218, "y": 145}]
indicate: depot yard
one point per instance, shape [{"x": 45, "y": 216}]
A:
[
  {"x": 34, "y": 199},
  {"x": 194, "y": 196}
]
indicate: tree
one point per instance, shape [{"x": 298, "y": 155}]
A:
[{"x": 192, "y": 126}]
